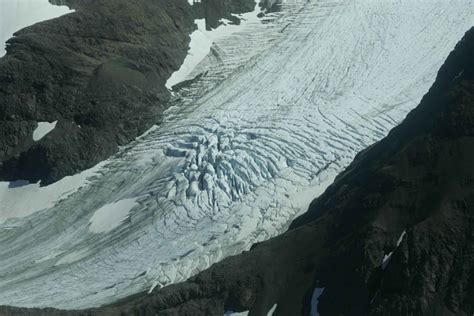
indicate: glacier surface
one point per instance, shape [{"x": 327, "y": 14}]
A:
[{"x": 281, "y": 106}]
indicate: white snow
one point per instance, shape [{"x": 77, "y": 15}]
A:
[
  {"x": 111, "y": 215},
  {"x": 17, "y": 14},
  {"x": 236, "y": 313},
  {"x": 43, "y": 129},
  {"x": 302, "y": 198},
  {"x": 290, "y": 104},
  {"x": 386, "y": 258},
  {"x": 153, "y": 286},
  {"x": 400, "y": 239},
  {"x": 202, "y": 41},
  {"x": 272, "y": 310},
  {"x": 19, "y": 199},
  {"x": 315, "y": 300}
]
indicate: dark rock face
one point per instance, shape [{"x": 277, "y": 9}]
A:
[
  {"x": 215, "y": 10},
  {"x": 100, "y": 72},
  {"x": 410, "y": 197}
]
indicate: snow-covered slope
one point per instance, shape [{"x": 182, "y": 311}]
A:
[
  {"x": 202, "y": 41},
  {"x": 17, "y": 14},
  {"x": 235, "y": 165}
]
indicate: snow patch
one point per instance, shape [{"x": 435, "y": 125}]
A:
[
  {"x": 43, "y": 129},
  {"x": 303, "y": 198},
  {"x": 18, "y": 14},
  {"x": 400, "y": 239},
  {"x": 202, "y": 41},
  {"x": 315, "y": 300},
  {"x": 21, "y": 198},
  {"x": 111, "y": 215},
  {"x": 153, "y": 286},
  {"x": 272, "y": 310},
  {"x": 386, "y": 260}
]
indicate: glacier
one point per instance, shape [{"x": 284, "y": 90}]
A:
[
  {"x": 281, "y": 106},
  {"x": 202, "y": 41}
]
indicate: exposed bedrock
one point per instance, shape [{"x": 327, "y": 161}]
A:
[{"x": 100, "y": 72}]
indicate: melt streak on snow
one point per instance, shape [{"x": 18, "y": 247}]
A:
[
  {"x": 297, "y": 96},
  {"x": 17, "y": 14},
  {"x": 272, "y": 310},
  {"x": 386, "y": 258}
]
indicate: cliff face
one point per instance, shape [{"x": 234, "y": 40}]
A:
[{"x": 100, "y": 72}]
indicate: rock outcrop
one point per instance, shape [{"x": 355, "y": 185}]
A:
[{"x": 100, "y": 72}]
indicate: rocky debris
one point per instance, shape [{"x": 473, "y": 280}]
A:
[{"x": 100, "y": 72}]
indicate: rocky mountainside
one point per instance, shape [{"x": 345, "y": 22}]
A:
[
  {"x": 394, "y": 234},
  {"x": 100, "y": 72}
]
